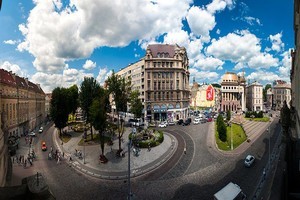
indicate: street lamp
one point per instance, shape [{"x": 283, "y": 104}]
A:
[
  {"x": 129, "y": 146},
  {"x": 231, "y": 140}
]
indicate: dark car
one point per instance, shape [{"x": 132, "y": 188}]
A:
[
  {"x": 187, "y": 122},
  {"x": 180, "y": 122}
]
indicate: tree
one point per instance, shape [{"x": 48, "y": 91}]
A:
[
  {"x": 120, "y": 89},
  {"x": 136, "y": 106},
  {"x": 73, "y": 93},
  {"x": 59, "y": 107},
  {"x": 98, "y": 117},
  {"x": 265, "y": 91},
  {"x": 221, "y": 128},
  {"x": 89, "y": 89}
]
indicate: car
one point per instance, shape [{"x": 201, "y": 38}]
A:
[
  {"x": 180, "y": 122},
  {"x": 44, "y": 147},
  {"x": 41, "y": 130},
  {"x": 162, "y": 125},
  {"x": 187, "y": 122},
  {"x": 32, "y": 134},
  {"x": 171, "y": 123},
  {"x": 196, "y": 121},
  {"x": 249, "y": 160},
  {"x": 209, "y": 119}
]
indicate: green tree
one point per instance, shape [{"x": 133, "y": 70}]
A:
[
  {"x": 98, "y": 117},
  {"x": 59, "y": 107},
  {"x": 73, "y": 93},
  {"x": 89, "y": 89},
  {"x": 221, "y": 128},
  {"x": 136, "y": 106},
  {"x": 265, "y": 91},
  {"x": 120, "y": 89}
]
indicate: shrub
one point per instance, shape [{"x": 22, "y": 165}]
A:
[{"x": 221, "y": 128}]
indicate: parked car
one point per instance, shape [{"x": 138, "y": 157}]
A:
[
  {"x": 44, "y": 147},
  {"x": 32, "y": 134},
  {"x": 249, "y": 160},
  {"x": 187, "y": 122},
  {"x": 196, "y": 121},
  {"x": 180, "y": 122},
  {"x": 209, "y": 119},
  {"x": 162, "y": 125},
  {"x": 171, "y": 123},
  {"x": 41, "y": 129}
]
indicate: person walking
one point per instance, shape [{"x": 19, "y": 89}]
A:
[{"x": 264, "y": 174}]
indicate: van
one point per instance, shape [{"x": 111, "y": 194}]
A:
[{"x": 230, "y": 192}]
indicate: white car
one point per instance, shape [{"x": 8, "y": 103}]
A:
[
  {"x": 196, "y": 121},
  {"x": 32, "y": 134},
  {"x": 249, "y": 160},
  {"x": 162, "y": 125},
  {"x": 41, "y": 130}
]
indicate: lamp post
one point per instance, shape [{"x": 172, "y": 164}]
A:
[
  {"x": 84, "y": 145},
  {"x": 231, "y": 140}
]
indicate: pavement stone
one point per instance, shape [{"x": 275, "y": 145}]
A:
[{"x": 115, "y": 168}]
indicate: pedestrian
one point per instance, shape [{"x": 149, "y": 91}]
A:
[
  {"x": 63, "y": 154},
  {"x": 264, "y": 174},
  {"x": 51, "y": 149},
  {"x": 75, "y": 152},
  {"x": 184, "y": 150},
  {"x": 57, "y": 160}
]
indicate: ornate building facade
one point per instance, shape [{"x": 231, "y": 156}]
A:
[
  {"x": 281, "y": 93},
  {"x": 167, "y": 90},
  {"x": 233, "y": 92}
]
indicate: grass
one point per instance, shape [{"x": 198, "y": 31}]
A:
[
  {"x": 238, "y": 137},
  {"x": 264, "y": 119}
]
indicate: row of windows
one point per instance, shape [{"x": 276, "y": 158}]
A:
[{"x": 166, "y": 96}]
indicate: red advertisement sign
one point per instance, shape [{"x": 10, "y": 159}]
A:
[{"x": 210, "y": 93}]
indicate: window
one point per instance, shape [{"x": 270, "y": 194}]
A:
[
  {"x": 148, "y": 75},
  {"x": 149, "y": 83},
  {"x": 155, "y": 86}
]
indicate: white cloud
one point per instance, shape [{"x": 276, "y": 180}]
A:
[
  {"x": 286, "y": 62},
  {"x": 218, "y": 31},
  {"x": 201, "y": 22},
  {"x": 219, "y": 5},
  {"x": 103, "y": 75},
  {"x": 13, "y": 67},
  {"x": 73, "y": 31},
  {"x": 88, "y": 65},
  {"x": 12, "y": 42},
  {"x": 201, "y": 76},
  {"x": 236, "y": 47},
  {"x": 277, "y": 44},
  {"x": 179, "y": 37},
  {"x": 209, "y": 63},
  {"x": 263, "y": 76},
  {"x": 263, "y": 61},
  {"x": 252, "y": 20}
]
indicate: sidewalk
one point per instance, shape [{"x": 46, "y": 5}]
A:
[{"x": 115, "y": 168}]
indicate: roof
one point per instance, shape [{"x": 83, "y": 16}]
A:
[
  {"x": 162, "y": 48},
  {"x": 230, "y": 191},
  {"x": 285, "y": 85}
]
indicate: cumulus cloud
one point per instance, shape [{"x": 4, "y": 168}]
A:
[
  {"x": 103, "y": 75},
  {"x": 263, "y": 76},
  {"x": 13, "y": 67},
  {"x": 277, "y": 44},
  {"x": 209, "y": 63},
  {"x": 219, "y": 5},
  {"x": 285, "y": 65},
  {"x": 73, "y": 31},
  {"x": 88, "y": 65},
  {"x": 201, "y": 22},
  {"x": 201, "y": 76},
  {"x": 263, "y": 60}
]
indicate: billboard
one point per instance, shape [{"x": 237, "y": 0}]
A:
[{"x": 210, "y": 93}]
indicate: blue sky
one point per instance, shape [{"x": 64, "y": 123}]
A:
[{"x": 56, "y": 43}]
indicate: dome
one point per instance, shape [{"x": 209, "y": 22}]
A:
[{"x": 230, "y": 77}]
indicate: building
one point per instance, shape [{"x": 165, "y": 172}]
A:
[
  {"x": 47, "y": 104},
  {"x": 233, "y": 92},
  {"x": 162, "y": 78},
  {"x": 204, "y": 98},
  {"x": 254, "y": 97},
  {"x": 281, "y": 93},
  {"x": 22, "y": 104},
  {"x": 136, "y": 73},
  {"x": 269, "y": 103},
  {"x": 167, "y": 82},
  {"x": 194, "y": 90}
]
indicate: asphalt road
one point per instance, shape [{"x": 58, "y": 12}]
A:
[{"x": 196, "y": 174}]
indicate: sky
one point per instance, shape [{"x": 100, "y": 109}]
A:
[{"x": 56, "y": 43}]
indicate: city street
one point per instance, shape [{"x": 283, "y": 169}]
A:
[{"x": 196, "y": 169}]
